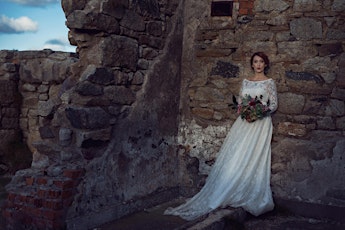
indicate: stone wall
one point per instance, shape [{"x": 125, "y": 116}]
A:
[
  {"x": 102, "y": 127},
  {"x": 137, "y": 116},
  {"x": 305, "y": 43}
]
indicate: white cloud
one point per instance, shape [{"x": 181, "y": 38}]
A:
[
  {"x": 61, "y": 44},
  {"x": 17, "y": 25},
  {"x": 35, "y": 2}
]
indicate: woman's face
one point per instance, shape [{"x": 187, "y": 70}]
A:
[{"x": 258, "y": 64}]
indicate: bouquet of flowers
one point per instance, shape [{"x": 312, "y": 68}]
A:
[{"x": 252, "y": 109}]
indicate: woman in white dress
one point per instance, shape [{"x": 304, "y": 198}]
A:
[{"x": 240, "y": 177}]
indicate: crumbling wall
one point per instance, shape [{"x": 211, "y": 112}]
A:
[
  {"x": 102, "y": 131},
  {"x": 138, "y": 114}
]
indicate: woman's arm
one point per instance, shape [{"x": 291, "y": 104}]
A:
[{"x": 272, "y": 96}]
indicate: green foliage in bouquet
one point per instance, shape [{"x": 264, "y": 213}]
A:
[{"x": 252, "y": 109}]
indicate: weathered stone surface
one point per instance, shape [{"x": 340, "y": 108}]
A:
[
  {"x": 307, "y": 5},
  {"x": 46, "y": 132},
  {"x": 119, "y": 95},
  {"x": 208, "y": 94},
  {"x": 305, "y": 76},
  {"x": 292, "y": 129},
  {"x": 133, "y": 21},
  {"x": 338, "y": 5},
  {"x": 46, "y": 108},
  {"x": 8, "y": 92},
  {"x": 332, "y": 49},
  {"x": 290, "y": 103},
  {"x": 36, "y": 70},
  {"x": 296, "y": 50},
  {"x": 93, "y": 21},
  {"x": 338, "y": 94},
  {"x": 336, "y": 108},
  {"x": 87, "y": 118},
  {"x": 267, "y": 5},
  {"x": 301, "y": 170},
  {"x": 225, "y": 69},
  {"x": 148, "y": 8},
  {"x": 306, "y": 28},
  {"x": 203, "y": 112},
  {"x": 336, "y": 34},
  {"x": 102, "y": 76},
  {"x": 326, "y": 123},
  {"x": 340, "y": 123},
  {"x": 89, "y": 89},
  {"x": 83, "y": 136},
  {"x": 65, "y": 136},
  {"x": 114, "y": 58},
  {"x": 277, "y": 20},
  {"x": 70, "y": 6},
  {"x": 155, "y": 28}
]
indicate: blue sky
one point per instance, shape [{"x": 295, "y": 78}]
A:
[{"x": 33, "y": 25}]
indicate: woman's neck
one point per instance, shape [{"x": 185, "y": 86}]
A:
[{"x": 258, "y": 77}]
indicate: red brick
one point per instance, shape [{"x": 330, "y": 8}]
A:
[
  {"x": 52, "y": 214},
  {"x": 38, "y": 203},
  {"x": 39, "y": 223},
  {"x": 42, "y": 193},
  {"x": 30, "y": 200},
  {"x": 243, "y": 11},
  {"x": 21, "y": 199},
  {"x": 67, "y": 193},
  {"x": 53, "y": 204},
  {"x": 247, "y": 5},
  {"x": 11, "y": 197},
  {"x": 64, "y": 184},
  {"x": 74, "y": 173},
  {"x": 29, "y": 181},
  {"x": 7, "y": 213},
  {"x": 42, "y": 181},
  {"x": 53, "y": 194},
  {"x": 67, "y": 202}
]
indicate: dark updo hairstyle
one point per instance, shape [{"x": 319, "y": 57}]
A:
[{"x": 264, "y": 57}]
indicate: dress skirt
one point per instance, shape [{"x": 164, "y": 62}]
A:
[{"x": 240, "y": 176}]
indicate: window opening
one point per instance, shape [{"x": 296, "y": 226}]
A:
[{"x": 221, "y": 8}]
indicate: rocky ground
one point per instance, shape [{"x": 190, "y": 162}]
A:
[{"x": 223, "y": 219}]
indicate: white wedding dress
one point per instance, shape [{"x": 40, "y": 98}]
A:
[{"x": 240, "y": 177}]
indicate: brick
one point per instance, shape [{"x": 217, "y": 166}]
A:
[
  {"x": 55, "y": 224},
  {"x": 39, "y": 223},
  {"x": 42, "y": 193},
  {"x": 29, "y": 181},
  {"x": 67, "y": 193},
  {"x": 64, "y": 184},
  {"x": 52, "y": 214},
  {"x": 53, "y": 194},
  {"x": 247, "y": 5},
  {"x": 21, "y": 199},
  {"x": 54, "y": 204},
  {"x": 38, "y": 203},
  {"x": 42, "y": 181},
  {"x": 243, "y": 11},
  {"x": 7, "y": 213},
  {"x": 11, "y": 197},
  {"x": 67, "y": 202},
  {"x": 74, "y": 173}
]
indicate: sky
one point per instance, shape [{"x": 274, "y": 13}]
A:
[{"x": 33, "y": 25}]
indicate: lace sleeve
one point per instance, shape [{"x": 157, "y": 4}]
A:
[
  {"x": 272, "y": 95},
  {"x": 239, "y": 98}
]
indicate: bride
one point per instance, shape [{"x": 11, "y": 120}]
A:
[{"x": 240, "y": 177}]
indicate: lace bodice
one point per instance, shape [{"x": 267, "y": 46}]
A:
[{"x": 266, "y": 88}]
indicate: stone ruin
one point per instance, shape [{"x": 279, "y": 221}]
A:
[{"x": 136, "y": 116}]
